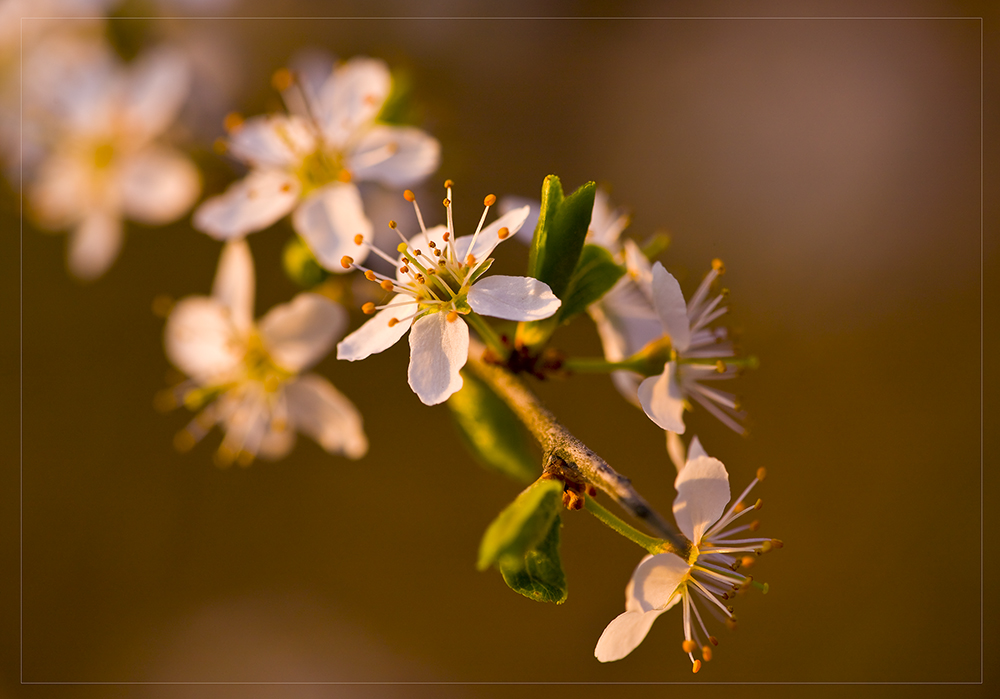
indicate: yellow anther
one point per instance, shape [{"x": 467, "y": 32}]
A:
[
  {"x": 401, "y": 247},
  {"x": 452, "y": 316},
  {"x": 490, "y": 200},
  {"x": 503, "y": 233},
  {"x": 368, "y": 308},
  {"x": 718, "y": 266},
  {"x": 232, "y": 122},
  {"x": 393, "y": 322},
  {"x": 282, "y": 79},
  {"x": 432, "y": 244},
  {"x": 761, "y": 472},
  {"x": 759, "y": 504},
  {"x": 688, "y": 646},
  {"x": 409, "y": 196},
  {"x": 358, "y": 239},
  {"x": 370, "y": 276},
  {"x": 755, "y": 525},
  {"x": 346, "y": 261},
  {"x": 416, "y": 253},
  {"x": 448, "y": 184},
  {"x": 344, "y": 176},
  {"x": 713, "y": 640},
  {"x": 765, "y": 547},
  {"x": 386, "y": 285},
  {"x": 437, "y": 253},
  {"x": 696, "y": 666},
  {"x": 706, "y": 653},
  {"x": 720, "y": 366},
  {"x": 446, "y": 202},
  {"x": 446, "y": 236},
  {"x": 392, "y": 225},
  {"x": 777, "y": 543},
  {"x": 747, "y": 561}
]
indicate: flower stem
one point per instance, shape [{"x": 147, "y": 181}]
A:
[
  {"x": 558, "y": 443},
  {"x": 649, "y": 543},
  {"x": 488, "y": 334},
  {"x": 596, "y": 365}
]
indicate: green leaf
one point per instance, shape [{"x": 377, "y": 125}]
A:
[
  {"x": 595, "y": 274},
  {"x": 521, "y": 526},
  {"x": 491, "y": 431},
  {"x": 559, "y": 235},
  {"x": 541, "y": 578},
  {"x": 300, "y": 264}
]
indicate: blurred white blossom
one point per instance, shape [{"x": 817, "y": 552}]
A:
[
  {"x": 248, "y": 376},
  {"x": 307, "y": 161}
]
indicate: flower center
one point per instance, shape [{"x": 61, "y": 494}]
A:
[
  {"x": 261, "y": 368},
  {"x": 103, "y": 155},
  {"x": 320, "y": 168}
]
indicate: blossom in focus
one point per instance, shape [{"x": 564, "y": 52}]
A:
[
  {"x": 104, "y": 162},
  {"x": 247, "y": 376},
  {"x": 439, "y": 280},
  {"x": 307, "y": 161},
  {"x": 709, "y": 576},
  {"x": 700, "y": 354}
]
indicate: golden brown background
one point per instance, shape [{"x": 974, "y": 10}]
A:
[{"x": 833, "y": 164}]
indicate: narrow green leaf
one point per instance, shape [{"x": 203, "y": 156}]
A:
[
  {"x": 521, "y": 526},
  {"x": 541, "y": 578},
  {"x": 491, "y": 432},
  {"x": 595, "y": 274},
  {"x": 559, "y": 235}
]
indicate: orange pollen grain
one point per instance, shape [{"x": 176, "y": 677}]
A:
[
  {"x": 368, "y": 308},
  {"x": 370, "y": 276},
  {"x": 386, "y": 284},
  {"x": 393, "y": 322},
  {"x": 448, "y": 184},
  {"x": 688, "y": 646},
  {"x": 346, "y": 261},
  {"x": 358, "y": 239},
  {"x": 409, "y": 196},
  {"x": 503, "y": 233},
  {"x": 490, "y": 200}
]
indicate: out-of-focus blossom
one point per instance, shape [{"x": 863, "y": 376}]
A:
[
  {"x": 104, "y": 162},
  {"x": 248, "y": 376},
  {"x": 710, "y": 574},
  {"x": 307, "y": 161},
  {"x": 438, "y": 280}
]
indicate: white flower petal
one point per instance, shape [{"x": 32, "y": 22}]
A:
[
  {"x": 654, "y": 582},
  {"x": 394, "y": 155},
  {"x": 252, "y": 204},
  {"x": 351, "y": 98},
  {"x": 300, "y": 333},
  {"x": 319, "y": 410},
  {"x": 158, "y": 185},
  {"x": 200, "y": 339},
  {"x": 676, "y": 450},
  {"x": 155, "y": 90},
  {"x": 702, "y": 495},
  {"x": 376, "y": 335},
  {"x": 527, "y": 231},
  {"x": 623, "y": 635},
  {"x": 438, "y": 350},
  {"x": 95, "y": 245},
  {"x": 606, "y": 225},
  {"x": 328, "y": 220},
  {"x": 274, "y": 141},
  {"x": 513, "y": 298},
  {"x": 670, "y": 305},
  {"x": 696, "y": 450},
  {"x": 61, "y": 192},
  {"x": 234, "y": 284},
  {"x": 662, "y": 400},
  {"x": 276, "y": 443}
]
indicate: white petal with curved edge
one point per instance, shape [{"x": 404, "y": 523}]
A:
[
  {"x": 234, "y": 283},
  {"x": 351, "y": 98},
  {"x": 158, "y": 185},
  {"x": 438, "y": 350},
  {"x": 394, "y": 155},
  {"x": 623, "y": 635},
  {"x": 328, "y": 220},
  {"x": 676, "y": 450},
  {"x": 300, "y": 333},
  {"x": 606, "y": 224},
  {"x": 61, "y": 192},
  {"x": 527, "y": 231},
  {"x": 155, "y": 90},
  {"x": 252, "y": 204},
  {"x": 513, "y": 298},
  {"x": 319, "y": 410},
  {"x": 488, "y": 239},
  {"x": 702, "y": 495},
  {"x": 94, "y": 245},
  {"x": 671, "y": 307},
  {"x": 273, "y": 141},
  {"x": 662, "y": 400},
  {"x": 200, "y": 339},
  {"x": 654, "y": 582},
  {"x": 696, "y": 450},
  {"x": 376, "y": 335},
  {"x": 276, "y": 443}
]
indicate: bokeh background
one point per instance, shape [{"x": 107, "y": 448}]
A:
[{"x": 833, "y": 164}]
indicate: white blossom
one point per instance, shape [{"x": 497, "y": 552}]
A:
[
  {"x": 709, "y": 576},
  {"x": 249, "y": 377},
  {"x": 306, "y": 162},
  {"x": 438, "y": 281}
]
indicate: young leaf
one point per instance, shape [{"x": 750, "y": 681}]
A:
[
  {"x": 541, "y": 578},
  {"x": 300, "y": 264},
  {"x": 491, "y": 431},
  {"x": 559, "y": 235},
  {"x": 521, "y": 526},
  {"x": 595, "y": 274}
]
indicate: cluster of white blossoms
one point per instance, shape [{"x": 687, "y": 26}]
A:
[
  {"x": 710, "y": 575},
  {"x": 438, "y": 281},
  {"x": 248, "y": 376}
]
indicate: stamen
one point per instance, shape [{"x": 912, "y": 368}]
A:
[
  {"x": 503, "y": 233},
  {"x": 346, "y": 261},
  {"x": 232, "y": 122},
  {"x": 761, "y": 472},
  {"x": 358, "y": 239},
  {"x": 452, "y": 316},
  {"x": 490, "y": 200},
  {"x": 696, "y": 666},
  {"x": 688, "y": 646},
  {"x": 368, "y": 308},
  {"x": 282, "y": 79}
]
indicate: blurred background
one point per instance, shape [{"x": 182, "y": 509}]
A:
[{"x": 833, "y": 164}]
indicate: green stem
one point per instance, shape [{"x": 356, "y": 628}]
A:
[
  {"x": 651, "y": 544},
  {"x": 487, "y": 334},
  {"x": 596, "y": 365}
]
